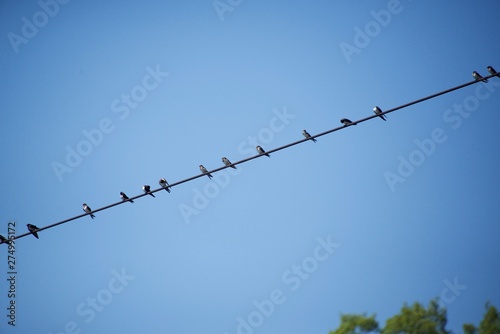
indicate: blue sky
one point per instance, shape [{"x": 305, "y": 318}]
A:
[{"x": 364, "y": 220}]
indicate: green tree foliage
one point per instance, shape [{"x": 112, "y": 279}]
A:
[
  {"x": 491, "y": 321},
  {"x": 356, "y": 324},
  {"x": 469, "y": 329},
  {"x": 489, "y": 325},
  {"x": 417, "y": 319}
]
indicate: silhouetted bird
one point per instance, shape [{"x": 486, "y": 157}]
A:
[
  {"x": 4, "y": 240},
  {"x": 87, "y": 209},
  {"x": 125, "y": 197},
  {"x": 33, "y": 229},
  {"x": 308, "y": 136},
  {"x": 164, "y": 184},
  {"x": 261, "y": 151},
  {"x": 147, "y": 190},
  {"x": 346, "y": 122},
  {"x": 492, "y": 71},
  {"x": 205, "y": 171},
  {"x": 378, "y": 112},
  {"x": 227, "y": 162},
  {"x": 478, "y": 76}
]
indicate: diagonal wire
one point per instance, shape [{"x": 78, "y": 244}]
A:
[{"x": 268, "y": 152}]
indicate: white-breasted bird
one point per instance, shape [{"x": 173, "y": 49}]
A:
[
  {"x": 125, "y": 197},
  {"x": 4, "y": 240},
  {"x": 478, "y": 76},
  {"x": 346, "y": 122},
  {"x": 87, "y": 209},
  {"x": 378, "y": 112},
  {"x": 164, "y": 184},
  {"x": 33, "y": 229},
  {"x": 492, "y": 71},
  {"x": 205, "y": 171},
  {"x": 308, "y": 136},
  {"x": 227, "y": 162},
  {"x": 261, "y": 151},
  {"x": 147, "y": 189}
]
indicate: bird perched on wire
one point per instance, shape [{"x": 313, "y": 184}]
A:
[
  {"x": 261, "y": 151},
  {"x": 125, "y": 197},
  {"x": 378, "y": 112},
  {"x": 346, "y": 122},
  {"x": 88, "y": 210},
  {"x": 33, "y": 229},
  {"x": 492, "y": 71},
  {"x": 164, "y": 184},
  {"x": 308, "y": 136},
  {"x": 478, "y": 76},
  {"x": 228, "y": 163},
  {"x": 4, "y": 240},
  {"x": 205, "y": 171},
  {"x": 147, "y": 189}
]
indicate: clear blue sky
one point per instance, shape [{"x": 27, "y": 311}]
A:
[{"x": 143, "y": 90}]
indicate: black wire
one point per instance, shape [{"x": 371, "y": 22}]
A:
[{"x": 260, "y": 155}]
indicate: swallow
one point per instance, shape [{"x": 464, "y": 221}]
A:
[
  {"x": 308, "y": 136},
  {"x": 346, "y": 122},
  {"x": 164, "y": 184},
  {"x": 478, "y": 76},
  {"x": 4, "y": 240},
  {"x": 227, "y": 162},
  {"x": 125, "y": 197},
  {"x": 205, "y": 171},
  {"x": 261, "y": 151},
  {"x": 33, "y": 229},
  {"x": 87, "y": 209},
  {"x": 378, "y": 112},
  {"x": 147, "y": 190},
  {"x": 492, "y": 71}
]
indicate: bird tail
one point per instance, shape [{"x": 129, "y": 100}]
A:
[
  {"x": 268, "y": 155},
  {"x": 92, "y": 216}
]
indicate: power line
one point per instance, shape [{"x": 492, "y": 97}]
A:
[{"x": 268, "y": 152}]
